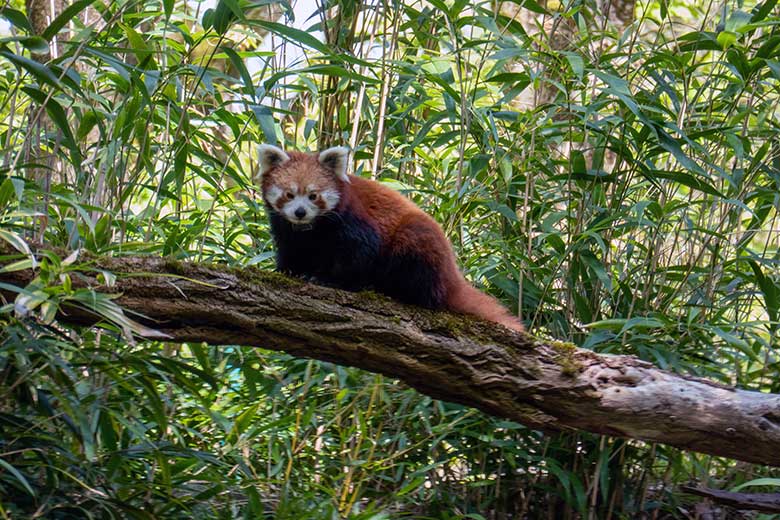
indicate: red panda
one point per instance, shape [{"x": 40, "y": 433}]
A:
[{"x": 356, "y": 234}]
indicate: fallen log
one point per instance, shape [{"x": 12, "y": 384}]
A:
[{"x": 544, "y": 384}]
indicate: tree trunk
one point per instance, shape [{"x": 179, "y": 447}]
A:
[
  {"x": 559, "y": 34},
  {"x": 40, "y": 126},
  {"x": 541, "y": 383},
  {"x": 41, "y": 14}
]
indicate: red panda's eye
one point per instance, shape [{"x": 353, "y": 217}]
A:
[
  {"x": 312, "y": 196},
  {"x": 289, "y": 195}
]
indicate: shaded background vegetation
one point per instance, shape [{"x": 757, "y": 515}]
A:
[{"x": 611, "y": 171}]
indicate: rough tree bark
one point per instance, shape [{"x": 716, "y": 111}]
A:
[
  {"x": 765, "y": 502},
  {"x": 543, "y": 384}
]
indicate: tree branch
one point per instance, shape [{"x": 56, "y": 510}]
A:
[
  {"x": 765, "y": 502},
  {"x": 543, "y": 384}
]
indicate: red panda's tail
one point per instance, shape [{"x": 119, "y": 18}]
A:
[{"x": 469, "y": 300}]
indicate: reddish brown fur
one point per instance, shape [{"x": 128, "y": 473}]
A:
[
  {"x": 402, "y": 227},
  {"x": 405, "y": 227}
]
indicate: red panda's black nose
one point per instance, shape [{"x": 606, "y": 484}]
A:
[{"x": 300, "y": 212}]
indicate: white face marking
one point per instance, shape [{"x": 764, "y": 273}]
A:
[
  {"x": 273, "y": 194},
  {"x": 307, "y": 210},
  {"x": 300, "y": 210},
  {"x": 331, "y": 198}
]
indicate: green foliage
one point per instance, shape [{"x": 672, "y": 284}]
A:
[{"x": 620, "y": 192}]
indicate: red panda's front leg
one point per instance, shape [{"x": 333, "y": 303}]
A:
[{"x": 410, "y": 278}]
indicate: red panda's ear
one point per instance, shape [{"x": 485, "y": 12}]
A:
[
  {"x": 335, "y": 159},
  {"x": 270, "y": 156}
]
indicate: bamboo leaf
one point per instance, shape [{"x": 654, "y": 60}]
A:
[
  {"x": 17, "y": 18},
  {"x": 686, "y": 179},
  {"x": 65, "y": 17},
  {"x": 41, "y": 72},
  {"x": 57, "y": 114},
  {"x": 769, "y": 289},
  {"x": 19, "y": 477},
  {"x": 292, "y": 34}
]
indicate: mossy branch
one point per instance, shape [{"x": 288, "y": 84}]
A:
[{"x": 544, "y": 384}]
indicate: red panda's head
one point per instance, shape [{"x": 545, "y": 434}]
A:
[{"x": 302, "y": 186}]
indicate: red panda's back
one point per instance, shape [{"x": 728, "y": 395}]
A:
[
  {"x": 405, "y": 229},
  {"x": 382, "y": 206}
]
